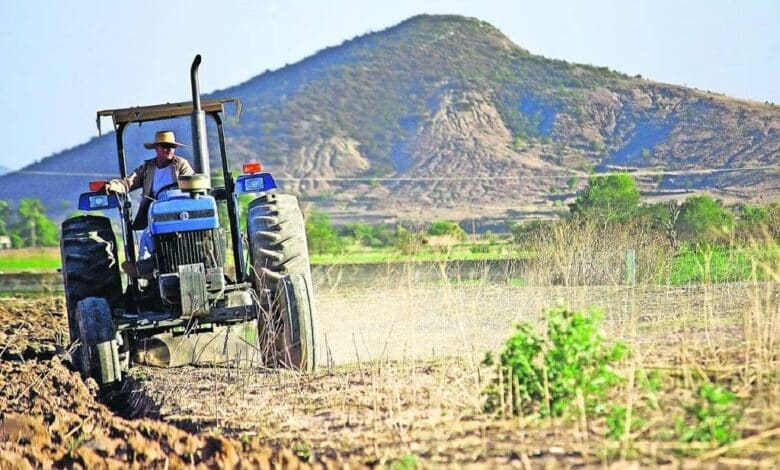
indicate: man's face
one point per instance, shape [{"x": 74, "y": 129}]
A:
[{"x": 164, "y": 152}]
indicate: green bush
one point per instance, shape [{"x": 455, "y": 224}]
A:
[
  {"x": 320, "y": 234},
  {"x": 702, "y": 219},
  {"x": 522, "y": 231},
  {"x": 448, "y": 228},
  {"x": 757, "y": 223},
  {"x": 407, "y": 241},
  {"x": 616, "y": 422},
  {"x": 712, "y": 417},
  {"x": 546, "y": 375},
  {"x": 370, "y": 235}
]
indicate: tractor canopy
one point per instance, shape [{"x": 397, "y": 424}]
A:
[{"x": 156, "y": 112}]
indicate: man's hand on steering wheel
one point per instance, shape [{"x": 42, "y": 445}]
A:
[{"x": 115, "y": 186}]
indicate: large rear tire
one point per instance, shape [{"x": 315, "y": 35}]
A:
[
  {"x": 99, "y": 349},
  {"x": 277, "y": 238},
  {"x": 90, "y": 266},
  {"x": 282, "y": 274}
]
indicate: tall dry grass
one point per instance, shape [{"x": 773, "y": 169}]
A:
[{"x": 582, "y": 253}]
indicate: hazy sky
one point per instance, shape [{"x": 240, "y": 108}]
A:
[{"x": 62, "y": 61}]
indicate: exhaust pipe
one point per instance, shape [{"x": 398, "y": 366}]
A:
[{"x": 198, "y": 119}]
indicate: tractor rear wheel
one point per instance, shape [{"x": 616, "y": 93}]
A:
[
  {"x": 99, "y": 350},
  {"x": 282, "y": 274},
  {"x": 277, "y": 237},
  {"x": 90, "y": 266}
]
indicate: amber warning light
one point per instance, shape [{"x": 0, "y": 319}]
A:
[
  {"x": 252, "y": 167},
  {"x": 97, "y": 185}
]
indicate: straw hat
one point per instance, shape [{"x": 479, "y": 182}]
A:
[{"x": 163, "y": 137}]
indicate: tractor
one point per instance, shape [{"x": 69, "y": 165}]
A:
[{"x": 188, "y": 286}]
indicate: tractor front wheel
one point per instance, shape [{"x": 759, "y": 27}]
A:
[{"x": 99, "y": 349}]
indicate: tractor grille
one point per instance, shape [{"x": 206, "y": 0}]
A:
[{"x": 201, "y": 246}]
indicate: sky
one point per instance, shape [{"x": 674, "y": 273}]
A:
[{"x": 63, "y": 61}]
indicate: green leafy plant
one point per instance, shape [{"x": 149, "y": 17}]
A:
[
  {"x": 408, "y": 462},
  {"x": 616, "y": 422},
  {"x": 570, "y": 368},
  {"x": 712, "y": 417},
  {"x": 304, "y": 451}
]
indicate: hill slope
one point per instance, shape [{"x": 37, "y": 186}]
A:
[{"x": 443, "y": 116}]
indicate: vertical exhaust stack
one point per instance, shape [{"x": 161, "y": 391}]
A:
[{"x": 198, "y": 117}]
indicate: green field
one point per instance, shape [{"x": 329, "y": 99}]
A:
[
  {"x": 30, "y": 259},
  {"x": 48, "y": 259},
  {"x": 701, "y": 265}
]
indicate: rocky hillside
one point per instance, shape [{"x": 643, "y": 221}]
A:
[{"x": 444, "y": 117}]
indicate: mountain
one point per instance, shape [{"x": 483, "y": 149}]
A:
[
  {"x": 444, "y": 117},
  {"x": 3, "y": 170}
]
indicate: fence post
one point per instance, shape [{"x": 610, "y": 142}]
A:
[{"x": 631, "y": 266}]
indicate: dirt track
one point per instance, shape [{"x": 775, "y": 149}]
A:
[{"x": 412, "y": 386}]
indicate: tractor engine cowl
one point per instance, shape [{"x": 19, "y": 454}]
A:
[
  {"x": 189, "y": 249},
  {"x": 178, "y": 212}
]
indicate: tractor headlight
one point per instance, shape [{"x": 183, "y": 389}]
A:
[
  {"x": 98, "y": 202},
  {"x": 255, "y": 183},
  {"x": 95, "y": 201}
]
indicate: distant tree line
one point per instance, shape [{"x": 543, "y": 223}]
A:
[
  {"x": 324, "y": 238},
  {"x": 28, "y": 225},
  {"x": 614, "y": 199},
  {"x": 607, "y": 201}
]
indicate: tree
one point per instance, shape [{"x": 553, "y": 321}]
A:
[
  {"x": 370, "y": 235},
  {"x": 32, "y": 226},
  {"x": 611, "y": 198},
  {"x": 702, "y": 219},
  {"x": 448, "y": 228},
  {"x": 321, "y": 235},
  {"x": 5, "y": 216}
]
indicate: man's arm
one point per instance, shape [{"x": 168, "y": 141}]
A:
[
  {"x": 132, "y": 182},
  {"x": 185, "y": 169}
]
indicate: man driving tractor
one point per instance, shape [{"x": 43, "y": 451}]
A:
[{"x": 154, "y": 174}]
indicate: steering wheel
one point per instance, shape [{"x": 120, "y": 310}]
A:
[{"x": 167, "y": 187}]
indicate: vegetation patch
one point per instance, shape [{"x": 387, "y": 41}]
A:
[{"x": 569, "y": 370}]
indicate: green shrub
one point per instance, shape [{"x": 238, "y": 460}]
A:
[
  {"x": 446, "y": 227},
  {"x": 702, "y": 219},
  {"x": 616, "y": 422},
  {"x": 712, "y": 417},
  {"x": 370, "y": 235},
  {"x": 320, "y": 234},
  {"x": 407, "y": 241},
  {"x": 546, "y": 375}
]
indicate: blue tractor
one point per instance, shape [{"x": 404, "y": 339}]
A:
[{"x": 188, "y": 286}]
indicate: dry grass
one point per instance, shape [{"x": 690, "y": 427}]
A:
[{"x": 577, "y": 254}]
